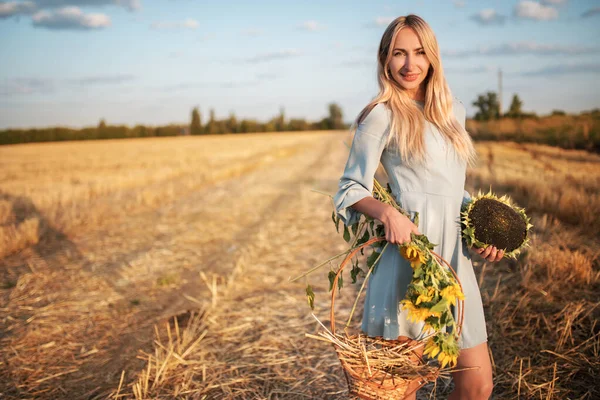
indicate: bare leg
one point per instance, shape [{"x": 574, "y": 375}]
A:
[
  {"x": 418, "y": 353},
  {"x": 475, "y": 384}
]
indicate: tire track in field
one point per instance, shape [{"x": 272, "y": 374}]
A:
[
  {"x": 256, "y": 333},
  {"x": 127, "y": 260}
]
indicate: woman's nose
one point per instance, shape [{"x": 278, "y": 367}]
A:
[{"x": 408, "y": 63}]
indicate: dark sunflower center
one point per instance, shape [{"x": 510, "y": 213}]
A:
[{"x": 498, "y": 224}]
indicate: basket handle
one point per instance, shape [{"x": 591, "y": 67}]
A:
[{"x": 460, "y": 303}]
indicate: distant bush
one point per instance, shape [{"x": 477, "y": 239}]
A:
[
  {"x": 561, "y": 130},
  {"x": 212, "y": 127}
]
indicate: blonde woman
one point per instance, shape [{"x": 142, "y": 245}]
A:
[{"x": 416, "y": 129}]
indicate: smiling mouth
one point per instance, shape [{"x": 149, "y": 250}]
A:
[{"x": 410, "y": 77}]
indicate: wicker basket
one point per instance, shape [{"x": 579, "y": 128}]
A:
[{"x": 371, "y": 383}]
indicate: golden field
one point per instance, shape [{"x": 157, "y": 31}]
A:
[{"x": 106, "y": 247}]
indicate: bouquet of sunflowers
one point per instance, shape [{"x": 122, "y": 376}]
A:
[{"x": 434, "y": 288}]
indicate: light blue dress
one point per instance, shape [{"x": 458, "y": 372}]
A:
[{"x": 437, "y": 192}]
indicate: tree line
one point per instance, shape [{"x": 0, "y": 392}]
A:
[
  {"x": 488, "y": 106},
  {"x": 334, "y": 120}
]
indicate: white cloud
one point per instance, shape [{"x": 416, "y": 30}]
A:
[
  {"x": 591, "y": 12},
  {"x": 20, "y": 86},
  {"x": 70, "y": 18},
  {"x": 252, "y": 32},
  {"x": 311, "y": 26},
  {"x": 185, "y": 24},
  {"x": 534, "y": 10},
  {"x": 383, "y": 21},
  {"x": 565, "y": 69},
  {"x": 131, "y": 5},
  {"x": 459, "y": 4},
  {"x": 14, "y": 8},
  {"x": 277, "y": 55},
  {"x": 489, "y": 16},
  {"x": 468, "y": 70},
  {"x": 103, "y": 79},
  {"x": 524, "y": 48},
  {"x": 29, "y": 86}
]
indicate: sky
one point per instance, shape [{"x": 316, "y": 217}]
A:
[{"x": 74, "y": 62}]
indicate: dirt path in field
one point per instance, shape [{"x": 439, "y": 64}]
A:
[{"x": 81, "y": 315}]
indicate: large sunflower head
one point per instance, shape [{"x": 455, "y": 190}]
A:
[{"x": 491, "y": 220}]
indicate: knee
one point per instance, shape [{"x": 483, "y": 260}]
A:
[{"x": 478, "y": 390}]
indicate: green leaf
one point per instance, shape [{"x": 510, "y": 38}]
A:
[
  {"x": 440, "y": 306},
  {"x": 416, "y": 218},
  {"x": 354, "y": 228},
  {"x": 346, "y": 234},
  {"x": 355, "y": 272},
  {"x": 340, "y": 282},
  {"x": 331, "y": 277},
  {"x": 336, "y": 221},
  {"x": 365, "y": 237},
  {"x": 310, "y": 295},
  {"x": 371, "y": 259},
  {"x": 418, "y": 272}
]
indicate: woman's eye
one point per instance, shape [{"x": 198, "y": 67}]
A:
[
  {"x": 421, "y": 52},
  {"x": 397, "y": 54}
]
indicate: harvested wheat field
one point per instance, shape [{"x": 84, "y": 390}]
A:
[{"x": 159, "y": 268}]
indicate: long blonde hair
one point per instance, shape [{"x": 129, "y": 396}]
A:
[{"x": 408, "y": 121}]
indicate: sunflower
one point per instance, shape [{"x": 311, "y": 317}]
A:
[
  {"x": 451, "y": 293},
  {"x": 414, "y": 254},
  {"x": 489, "y": 220},
  {"x": 445, "y": 347},
  {"x": 418, "y": 314},
  {"x": 425, "y": 297}
]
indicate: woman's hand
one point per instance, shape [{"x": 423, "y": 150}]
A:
[
  {"x": 397, "y": 226},
  {"x": 490, "y": 253}
]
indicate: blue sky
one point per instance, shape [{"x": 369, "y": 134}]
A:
[{"x": 73, "y": 62}]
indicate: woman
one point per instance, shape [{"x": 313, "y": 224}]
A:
[{"x": 417, "y": 130}]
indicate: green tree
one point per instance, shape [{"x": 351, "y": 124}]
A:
[
  {"x": 211, "y": 126},
  {"x": 196, "y": 124},
  {"x": 489, "y": 107},
  {"x": 280, "y": 121},
  {"x": 516, "y": 108},
  {"x": 335, "y": 117},
  {"x": 232, "y": 124},
  {"x": 102, "y": 124}
]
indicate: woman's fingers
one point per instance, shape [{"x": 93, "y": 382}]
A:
[
  {"x": 486, "y": 252},
  {"x": 500, "y": 255},
  {"x": 492, "y": 255}
]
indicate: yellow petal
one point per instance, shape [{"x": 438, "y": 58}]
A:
[{"x": 444, "y": 362}]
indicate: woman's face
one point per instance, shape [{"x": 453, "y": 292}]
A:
[{"x": 409, "y": 64}]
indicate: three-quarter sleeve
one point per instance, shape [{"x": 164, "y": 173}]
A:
[
  {"x": 466, "y": 199},
  {"x": 356, "y": 182}
]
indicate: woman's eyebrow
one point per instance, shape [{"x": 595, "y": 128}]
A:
[{"x": 418, "y": 49}]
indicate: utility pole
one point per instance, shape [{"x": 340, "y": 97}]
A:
[{"x": 499, "y": 92}]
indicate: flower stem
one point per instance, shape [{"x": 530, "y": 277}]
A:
[{"x": 364, "y": 283}]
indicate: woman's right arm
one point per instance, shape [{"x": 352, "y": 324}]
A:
[
  {"x": 397, "y": 226},
  {"x": 354, "y": 196}
]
